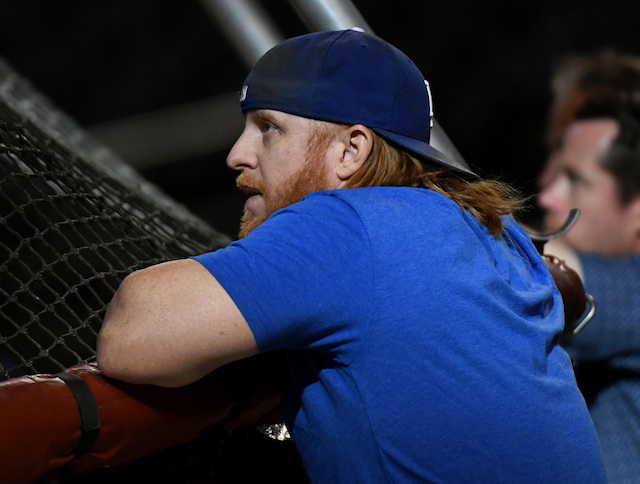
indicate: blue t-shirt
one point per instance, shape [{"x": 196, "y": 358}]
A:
[{"x": 420, "y": 348}]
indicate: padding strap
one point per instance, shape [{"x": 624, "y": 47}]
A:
[{"x": 89, "y": 412}]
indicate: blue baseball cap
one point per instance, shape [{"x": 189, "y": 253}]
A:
[{"x": 348, "y": 76}]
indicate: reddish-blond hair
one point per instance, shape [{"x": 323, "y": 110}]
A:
[{"x": 487, "y": 200}]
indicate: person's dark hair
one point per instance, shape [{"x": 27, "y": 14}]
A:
[
  {"x": 622, "y": 160},
  {"x": 580, "y": 78}
]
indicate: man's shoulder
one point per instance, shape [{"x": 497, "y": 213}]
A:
[
  {"x": 373, "y": 196},
  {"x": 400, "y": 210}
]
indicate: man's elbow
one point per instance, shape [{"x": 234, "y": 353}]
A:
[
  {"x": 158, "y": 328},
  {"x": 115, "y": 348},
  {"x": 128, "y": 348},
  {"x": 107, "y": 363},
  {"x": 114, "y": 360},
  {"x": 118, "y": 362}
]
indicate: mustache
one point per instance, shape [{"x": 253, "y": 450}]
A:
[{"x": 248, "y": 184}]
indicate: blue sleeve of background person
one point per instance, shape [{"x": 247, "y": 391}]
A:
[
  {"x": 612, "y": 340},
  {"x": 304, "y": 264},
  {"x": 614, "y": 332}
]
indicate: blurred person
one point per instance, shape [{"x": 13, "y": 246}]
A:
[
  {"x": 419, "y": 325},
  {"x": 598, "y": 171},
  {"x": 577, "y": 79}
]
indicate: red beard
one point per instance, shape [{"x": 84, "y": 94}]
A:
[{"x": 311, "y": 177}]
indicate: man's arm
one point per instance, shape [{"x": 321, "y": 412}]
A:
[{"x": 170, "y": 325}]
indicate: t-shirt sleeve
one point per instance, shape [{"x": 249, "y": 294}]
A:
[{"x": 297, "y": 277}]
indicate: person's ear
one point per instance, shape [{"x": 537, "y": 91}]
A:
[{"x": 357, "y": 143}]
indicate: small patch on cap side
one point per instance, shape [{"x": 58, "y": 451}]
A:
[{"x": 243, "y": 93}]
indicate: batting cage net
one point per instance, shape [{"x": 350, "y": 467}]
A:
[{"x": 74, "y": 220}]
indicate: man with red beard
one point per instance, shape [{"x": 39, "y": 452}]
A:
[{"x": 418, "y": 323}]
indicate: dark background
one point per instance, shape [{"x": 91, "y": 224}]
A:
[{"x": 489, "y": 64}]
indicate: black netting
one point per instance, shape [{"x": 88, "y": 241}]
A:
[{"x": 74, "y": 220}]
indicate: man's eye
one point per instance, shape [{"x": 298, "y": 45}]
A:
[
  {"x": 267, "y": 127},
  {"x": 577, "y": 183}
]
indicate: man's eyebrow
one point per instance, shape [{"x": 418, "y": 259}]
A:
[{"x": 261, "y": 114}]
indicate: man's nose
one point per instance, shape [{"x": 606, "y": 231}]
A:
[
  {"x": 242, "y": 155},
  {"x": 554, "y": 197}
]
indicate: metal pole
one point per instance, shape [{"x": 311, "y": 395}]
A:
[
  {"x": 343, "y": 14},
  {"x": 329, "y": 15},
  {"x": 246, "y": 25}
]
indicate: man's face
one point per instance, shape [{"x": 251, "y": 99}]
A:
[
  {"x": 281, "y": 163},
  {"x": 604, "y": 222}
]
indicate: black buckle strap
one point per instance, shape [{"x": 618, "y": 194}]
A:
[{"x": 89, "y": 412}]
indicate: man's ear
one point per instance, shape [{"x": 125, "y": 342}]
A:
[{"x": 357, "y": 143}]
